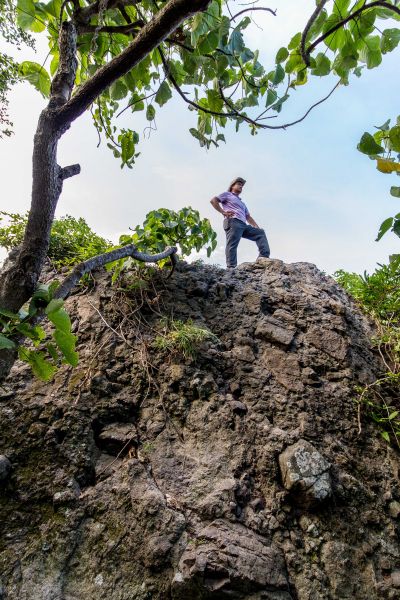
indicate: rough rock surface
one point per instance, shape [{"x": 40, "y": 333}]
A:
[
  {"x": 142, "y": 475},
  {"x": 305, "y": 472}
]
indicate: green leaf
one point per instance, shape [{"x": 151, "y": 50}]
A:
[
  {"x": 26, "y": 16},
  {"x": 118, "y": 90},
  {"x": 61, "y": 320},
  {"x": 395, "y": 191},
  {"x": 385, "y": 226},
  {"x": 368, "y": 145},
  {"x": 390, "y": 40},
  {"x": 6, "y": 343},
  {"x": 370, "y": 51},
  {"x": 279, "y": 75},
  {"x": 338, "y": 38},
  {"x": 385, "y": 436},
  {"x": 66, "y": 343},
  {"x": 54, "y": 305},
  {"x": 163, "y": 94},
  {"x": 40, "y": 366},
  {"x": 281, "y": 55},
  {"x": 295, "y": 41},
  {"x": 341, "y": 8},
  {"x": 393, "y": 415},
  {"x": 150, "y": 112},
  {"x": 52, "y": 350},
  {"x": 322, "y": 65},
  {"x": 9, "y": 314},
  {"x": 236, "y": 43},
  {"x": 272, "y": 95},
  {"x": 394, "y": 138},
  {"x": 383, "y": 127},
  {"x": 36, "y": 75},
  {"x": 294, "y": 63}
]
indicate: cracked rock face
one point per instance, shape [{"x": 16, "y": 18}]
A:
[
  {"x": 305, "y": 472},
  {"x": 238, "y": 474}
]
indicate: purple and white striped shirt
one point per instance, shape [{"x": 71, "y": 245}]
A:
[{"x": 234, "y": 203}]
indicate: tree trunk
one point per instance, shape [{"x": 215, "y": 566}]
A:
[{"x": 19, "y": 277}]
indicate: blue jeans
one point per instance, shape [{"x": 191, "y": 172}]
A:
[{"x": 235, "y": 229}]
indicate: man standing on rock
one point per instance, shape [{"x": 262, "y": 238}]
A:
[{"x": 238, "y": 223}]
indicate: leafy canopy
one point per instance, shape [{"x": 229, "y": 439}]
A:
[
  {"x": 207, "y": 61},
  {"x": 71, "y": 240}
]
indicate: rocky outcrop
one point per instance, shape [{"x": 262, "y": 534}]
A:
[{"x": 239, "y": 473}]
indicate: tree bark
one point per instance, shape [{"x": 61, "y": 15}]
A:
[{"x": 19, "y": 277}]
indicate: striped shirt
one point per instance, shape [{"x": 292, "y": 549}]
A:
[{"x": 232, "y": 202}]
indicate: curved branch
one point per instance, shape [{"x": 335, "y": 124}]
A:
[
  {"x": 245, "y": 10},
  {"x": 351, "y": 17},
  {"x": 102, "y": 259},
  {"x": 285, "y": 125},
  {"x": 312, "y": 19},
  {"x": 122, "y": 29}
]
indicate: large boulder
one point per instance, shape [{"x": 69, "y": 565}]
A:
[{"x": 143, "y": 475}]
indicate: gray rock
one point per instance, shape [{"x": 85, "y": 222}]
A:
[
  {"x": 305, "y": 473},
  {"x": 228, "y": 560},
  {"x": 118, "y": 438},
  {"x": 275, "y": 331}
]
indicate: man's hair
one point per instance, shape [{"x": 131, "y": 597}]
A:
[{"x": 236, "y": 180}]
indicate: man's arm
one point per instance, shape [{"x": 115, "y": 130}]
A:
[
  {"x": 252, "y": 221},
  {"x": 215, "y": 203}
]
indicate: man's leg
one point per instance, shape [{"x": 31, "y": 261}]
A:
[
  {"x": 258, "y": 236},
  {"x": 233, "y": 229}
]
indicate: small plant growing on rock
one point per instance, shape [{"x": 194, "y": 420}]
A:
[
  {"x": 379, "y": 297},
  {"x": 182, "y": 338}
]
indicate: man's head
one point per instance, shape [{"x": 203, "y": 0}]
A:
[{"x": 236, "y": 185}]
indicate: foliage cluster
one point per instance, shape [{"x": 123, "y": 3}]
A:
[
  {"x": 208, "y": 52},
  {"x": 379, "y": 296},
  {"x": 44, "y": 357},
  {"x": 183, "y": 338},
  {"x": 384, "y": 147},
  {"x": 163, "y": 227},
  {"x": 71, "y": 240}
]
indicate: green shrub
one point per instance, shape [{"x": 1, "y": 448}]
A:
[
  {"x": 71, "y": 240},
  {"x": 378, "y": 293},
  {"x": 379, "y": 296},
  {"x": 184, "y": 229}
]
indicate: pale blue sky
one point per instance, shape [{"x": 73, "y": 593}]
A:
[{"x": 317, "y": 197}]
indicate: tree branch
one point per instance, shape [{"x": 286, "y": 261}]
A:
[
  {"x": 70, "y": 171},
  {"x": 102, "y": 259},
  {"x": 63, "y": 82},
  {"x": 122, "y": 29},
  {"x": 245, "y": 10},
  {"x": 150, "y": 36},
  {"x": 351, "y": 17},
  {"x": 307, "y": 28}
]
